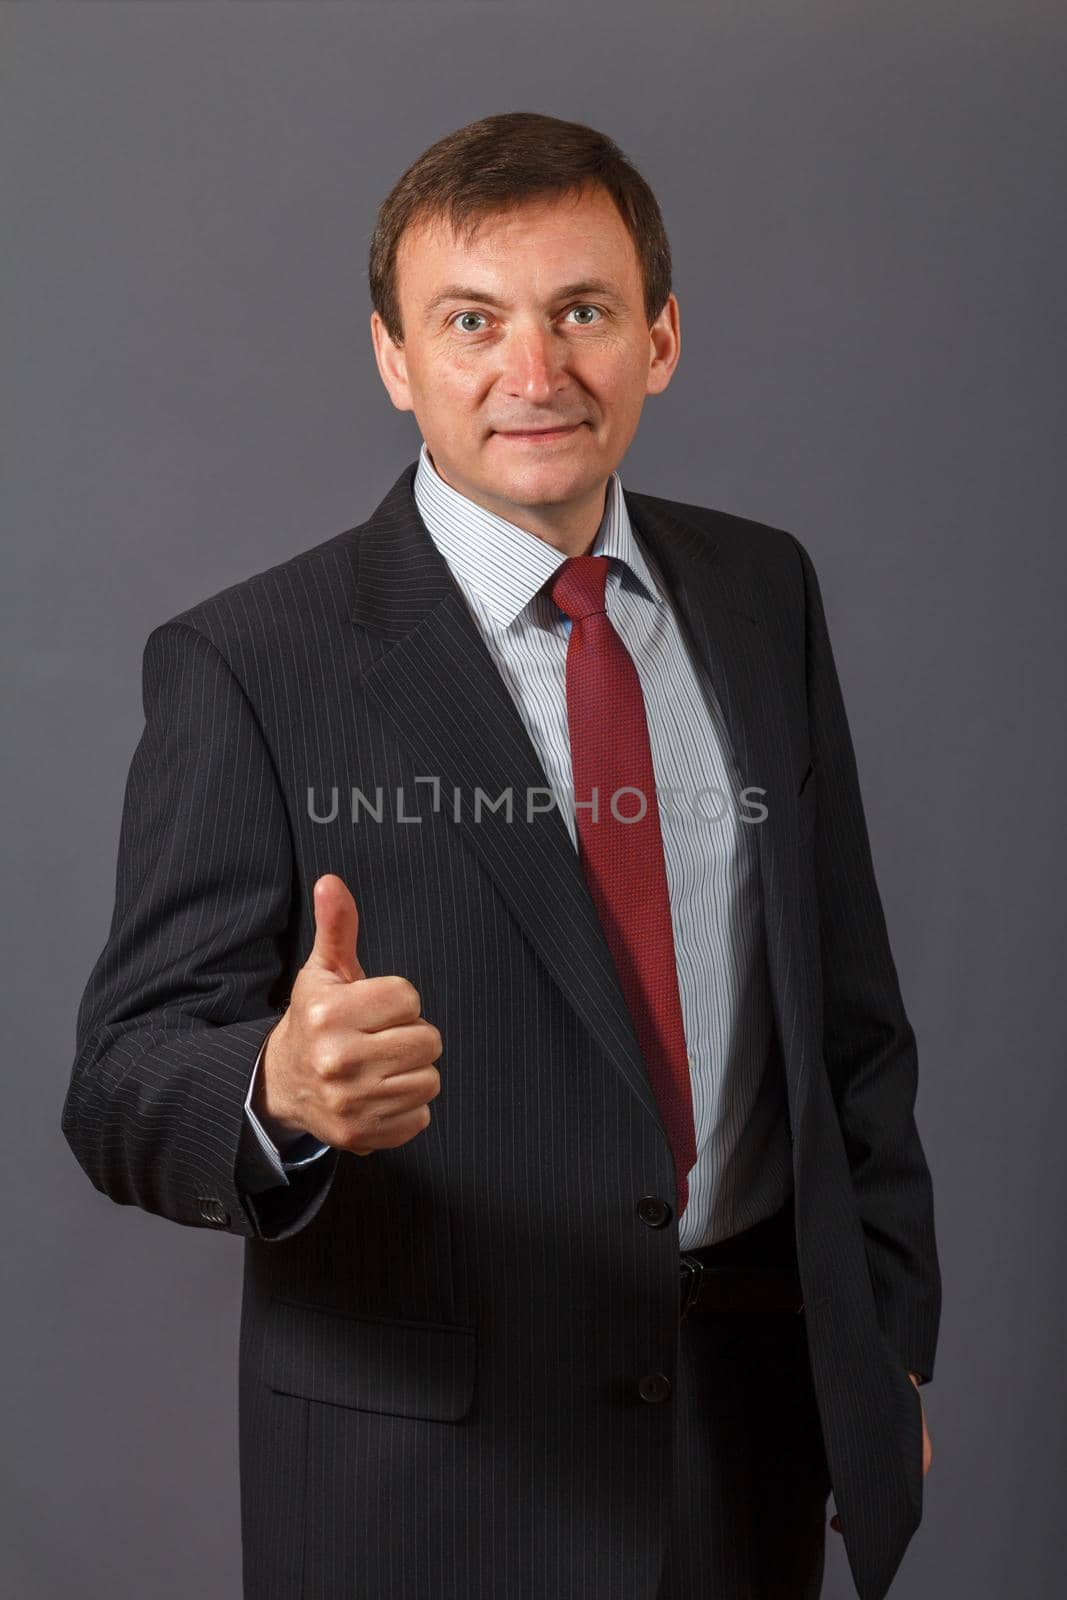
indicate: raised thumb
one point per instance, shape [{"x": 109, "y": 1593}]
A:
[{"x": 336, "y": 929}]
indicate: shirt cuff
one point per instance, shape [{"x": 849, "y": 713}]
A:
[{"x": 298, "y": 1151}]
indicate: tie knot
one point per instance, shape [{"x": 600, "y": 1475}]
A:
[{"x": 577, "y": 586}]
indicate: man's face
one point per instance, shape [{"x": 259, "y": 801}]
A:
[{"x": 539, "y": 324}]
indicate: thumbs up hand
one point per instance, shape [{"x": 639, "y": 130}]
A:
[{"x": 351, "y": 1060}]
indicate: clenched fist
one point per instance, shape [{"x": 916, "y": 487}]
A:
[{"x": 351, "y": 1060}]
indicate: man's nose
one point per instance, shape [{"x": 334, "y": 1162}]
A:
[{"x": 533, "y": 358}]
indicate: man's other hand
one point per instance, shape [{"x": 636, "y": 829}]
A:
[{"x": 928, "y": 1454}]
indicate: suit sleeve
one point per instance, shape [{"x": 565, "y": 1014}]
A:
[
  {"x": 869, "y": 1045},
  {"x": 187, "y": 986}
]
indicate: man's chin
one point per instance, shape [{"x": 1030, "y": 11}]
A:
[
  {"x": 541, "y": 482},
  {"x": 534, "y": 492}
]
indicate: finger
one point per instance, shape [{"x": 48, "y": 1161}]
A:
[
  {"x": 383, "y": 1007},
  {"x": 395, "y": 1061},
  {"x": 336, "y": 929},
  {"x": 416, "y": 1091},
  {"x": 414, "y": 1084}
]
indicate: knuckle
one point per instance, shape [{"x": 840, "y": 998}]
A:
[
  {"x": 408, "y": 999},
  {"x": 329, "y": 1063},
  {"x": 332, "y": 1097},
  {"x": 317, "y": 1015}
]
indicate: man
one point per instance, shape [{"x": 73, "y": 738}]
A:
[{"x": 566, "y": 1111}]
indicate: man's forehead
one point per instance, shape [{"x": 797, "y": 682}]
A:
[
  {"x": 448, "y": 264},
  {"x": 435, "y": 235}
]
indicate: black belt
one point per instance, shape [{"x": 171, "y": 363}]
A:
[{"x": 752, "y": 1271}]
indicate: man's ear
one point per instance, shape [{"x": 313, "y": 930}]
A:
[
  {"x": 392, "y": 364},
  {"x": 665, "y": 336}
]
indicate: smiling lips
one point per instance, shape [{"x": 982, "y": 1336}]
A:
[{"x": 542, "y": 433}]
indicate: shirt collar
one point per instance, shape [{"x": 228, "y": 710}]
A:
[{"x": 505, "y": 565}]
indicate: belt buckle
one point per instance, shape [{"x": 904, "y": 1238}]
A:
[{"x": 695, "y": 1269}]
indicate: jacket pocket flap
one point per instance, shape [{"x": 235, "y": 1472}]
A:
[{"x": 407, "y": 1369}]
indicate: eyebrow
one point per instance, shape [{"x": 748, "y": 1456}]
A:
[{"x": 461, "y": 291}]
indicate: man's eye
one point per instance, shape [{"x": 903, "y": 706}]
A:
[{"x": 474, "y": 315}]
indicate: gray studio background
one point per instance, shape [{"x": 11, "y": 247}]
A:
[{"x": 867, "y": 220}]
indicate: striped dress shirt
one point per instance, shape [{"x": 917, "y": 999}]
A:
[{"x": 743, "y": 1170}]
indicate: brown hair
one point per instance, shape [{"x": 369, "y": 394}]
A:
[{"x": 497, "y": 163}]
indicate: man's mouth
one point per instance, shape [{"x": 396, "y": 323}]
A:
[{"x": 540, "y": 433}]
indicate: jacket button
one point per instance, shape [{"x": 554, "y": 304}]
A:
[
  {"x": 213, "y": 1211},
  {"x": 654, "y": 1386},
  {"x": 654, "y": 1211}
]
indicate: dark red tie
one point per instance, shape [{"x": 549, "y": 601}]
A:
[{"x": 623, "y": 861}]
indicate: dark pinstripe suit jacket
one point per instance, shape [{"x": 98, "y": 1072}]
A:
[{"x": 441, "y": 1343}]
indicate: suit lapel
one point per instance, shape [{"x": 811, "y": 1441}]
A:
[
  {"x": 728, "y": 627},
  {"x": 428, "y": 671}
]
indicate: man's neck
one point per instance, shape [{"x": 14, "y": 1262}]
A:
[{"x": 570, "y": 529}]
